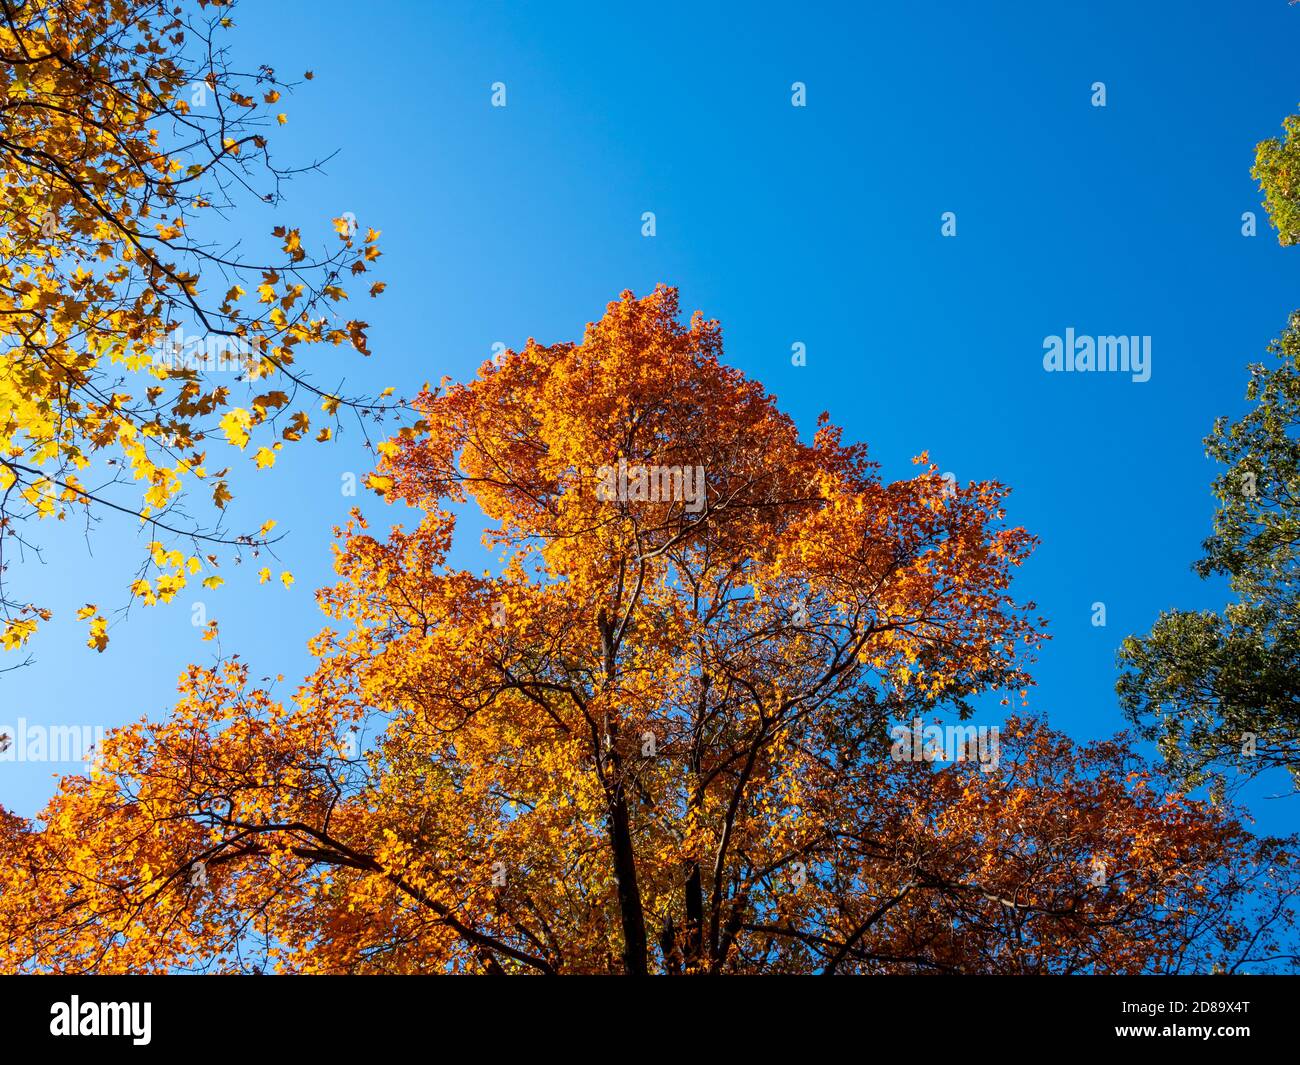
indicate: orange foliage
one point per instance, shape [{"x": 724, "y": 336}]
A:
[{"x": 652, "y": 738}]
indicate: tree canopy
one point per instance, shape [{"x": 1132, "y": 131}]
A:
[
  {"x": 1220, "y": 690},
  {"x": 652, "y": 736},
  {"x": 128, "y": 137}
]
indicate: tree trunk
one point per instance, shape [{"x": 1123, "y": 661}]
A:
[{"x": 620, "y": 831}]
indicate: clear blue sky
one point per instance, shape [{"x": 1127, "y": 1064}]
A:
[{"x": 819, "y": 225}]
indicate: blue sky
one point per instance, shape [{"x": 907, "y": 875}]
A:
[{"x": 819, "y": 225}]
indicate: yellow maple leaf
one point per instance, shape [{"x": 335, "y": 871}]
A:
[
  {"x": 98, "y": 634},
  {"x": 236, "y": 424}
]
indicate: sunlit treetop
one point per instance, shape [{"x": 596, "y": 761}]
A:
[{"x": 1277, "y": 169}]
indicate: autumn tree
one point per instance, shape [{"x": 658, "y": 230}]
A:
[
  {"x": 129, "y": 138},
  {"x": 1220, "y": 690},
  {"x": 654, "y": 735}
]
